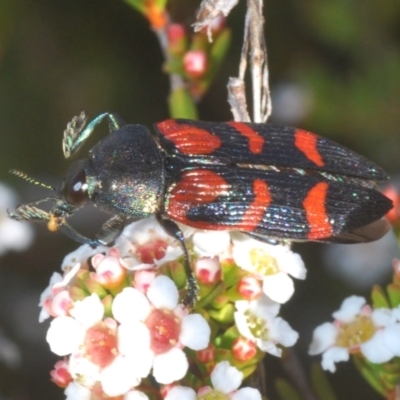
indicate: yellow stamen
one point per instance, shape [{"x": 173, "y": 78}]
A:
[
  {"x": 355, "y": 332},
  {"x": 263, "y": 263}
]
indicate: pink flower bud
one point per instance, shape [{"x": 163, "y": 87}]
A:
[
  {"x": 175, "y": 32},
  {"x": 60, "y": 304},
  {"x": 208, "y": 270},
  {"x": 244, "y": 349},
  {"x": 109, "y": 272},
  {"x": 249, "y": 288},
  {"x": 206, "y": 355},
  {"x": 143, "y": 279},
  {"x": 60, "y": 374},
  {"x": 195, "y": 63}
]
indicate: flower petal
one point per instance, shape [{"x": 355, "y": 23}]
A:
[
  {"x": 349, "y": 308},
  {"x": 83, "y": 370},
  {"x": 130, "y": 305},
  {"x": 391, "y": 338},
  {"x": 332, "y": 356},
  {"x": 382, "y": 316},
  {"x": 88, "y": 311},
  {"x": 181, "y": 392},
  {"x": 246, "y": 393},
  {"x": 211, "y": 243},
  {"x": 279, "y": 287},
  {"x": 375, "y": 350},
  {"x": 162, "y": 371},
  {"x": 118, "y": 377},
  {"x": 324, "y": 336},
  {"x": 226, "y": 378},
  {"x": 195, "y": 332},
  {"x": 75, "y": 391},
  {"x": 135, "y": 395},
  {"x": 281, "y": 332},
  {"x": 163, "y": 293},
  {"x": 64, "y": 336}
]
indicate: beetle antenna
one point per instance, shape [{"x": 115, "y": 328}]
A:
[{"x": 27, "y": 178}]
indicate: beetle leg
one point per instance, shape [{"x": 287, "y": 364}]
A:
[
  {"x": 111, "y": 229},
  {"x": 28, "y": 212},
  {"x": 173, "y": 229},
  {"x": 69, "y": 231}
]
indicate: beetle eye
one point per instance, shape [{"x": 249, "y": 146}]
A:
[{"x": 75, "y": 189}]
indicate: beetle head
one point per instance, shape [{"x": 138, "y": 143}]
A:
[{"x": 72, "y": 195}]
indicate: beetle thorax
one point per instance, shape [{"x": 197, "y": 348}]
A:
[{"x": 125, "y": 173}]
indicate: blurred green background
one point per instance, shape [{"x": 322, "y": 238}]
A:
[{"x": 334, "y": 69}]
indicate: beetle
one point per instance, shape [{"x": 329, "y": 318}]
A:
[{"x": 271, "y": 182}]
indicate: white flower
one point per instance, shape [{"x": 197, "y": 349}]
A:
[
  {"x": 74, "y": 391},
  {"x": 66, "y": 333},
  {"x": 14, "y": 235},
  {"x": 81, "y": 256},
  {"x": 257, "y": 320},
  {"x": 357, "y": 328},
  {"x": 145, "y": 244},
  {"x": 270, "y": 263},
  {"x": 211, "y": 243},
  {"x": 154, "y": 328},
  {"x": 98, "y": 348},
  {"x": 225, "y": 380}
]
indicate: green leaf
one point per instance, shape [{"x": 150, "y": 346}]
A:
[
  {"x": 161, "y": 4},
  {"x": 393, "y": 291},
  {"x": 320, "y": 383},
  {"x": 137, "y": 4},
  {"x": 369, "y": 374},
  {"x": 216, "y": 56},
  {"x": 208, "y": 297},
  {"x": 182, "y": 105},
  {"x": 378, "y": 297},
  {"x": 286, "y": 390},
  {"x": 224, "y": 315}
]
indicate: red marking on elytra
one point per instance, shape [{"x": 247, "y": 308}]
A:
[
  {"x": 306, "y": 142},
  {"x": 255, "y": 211},
  {"x": 195, "y": 187},
  {"x": 188, "y": 139},
  {"x": 256, "y": 142},
  {"x": 203, "y": 186},
  {"x": 317, "y": 218}
]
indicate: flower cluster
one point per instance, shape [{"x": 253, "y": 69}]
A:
[
  {"x": 119, "y": 322},
  {"x": 358, "y": 329}
]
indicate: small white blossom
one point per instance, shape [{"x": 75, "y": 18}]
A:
[
  {"x": 66, "y": 333},
  {"x": 144, "y": 244},
  {"x": 357, "y": 328},
  {"x": 14, "y": 235},
  {"x": 257, "y": 321},
  {"x": 270, "y": 263},
  {"x": 81, "y": 256},
  {"x": 140, "y": 315},
  {"x": 211, "y": 243},
  {"x": 75, "y": 391},
  {"x": 225, "y": 380}
]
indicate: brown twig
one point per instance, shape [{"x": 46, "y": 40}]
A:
[{"x": 253, "y": 49}]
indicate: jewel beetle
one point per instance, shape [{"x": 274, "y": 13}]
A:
[{"x": 271, "y": 182}]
